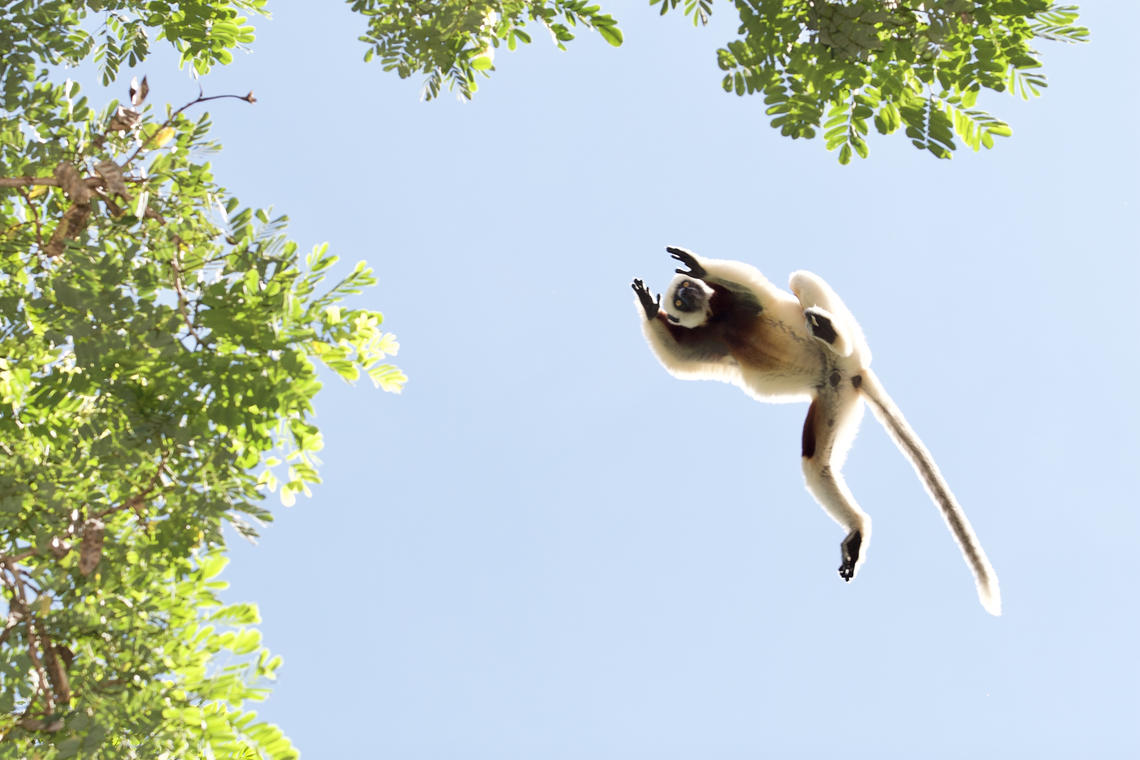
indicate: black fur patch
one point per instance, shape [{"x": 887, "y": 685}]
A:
[
  {"x": 821, "y": 326},
  {"x": 857, "y": 380},
  {"x": 834, "y": 379}
]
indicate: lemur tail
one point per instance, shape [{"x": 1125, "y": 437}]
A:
[{"x": 908, "y": 442}]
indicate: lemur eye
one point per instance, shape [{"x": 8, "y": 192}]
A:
[
  {"x": 678, "y": 303},
  {"x": 686, "y": 284}
]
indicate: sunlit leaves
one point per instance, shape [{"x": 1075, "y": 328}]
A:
[
  {"x": 157, "y": 372},
  {"x": 449, "y": 41},
  {"x": 1059, "y": 23},
  {"x": 846, "y": 126},
  {"x": 909, "y": 64},
  {"x": 698, "y": 10}
]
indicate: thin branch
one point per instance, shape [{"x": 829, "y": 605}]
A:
[
  {"x": 17, "y": 585},
  {"x": 6, "y": 559},
  {"x": 248, "y": 98},
  {"x": 95, "y": 182},
  {"x": 34, "y": 210},
  {"x": 136, "y": 501},
  {"x": 182, "y": 300},
  {"x": 48, "y": 181}
]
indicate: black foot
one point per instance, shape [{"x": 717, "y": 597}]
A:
[
  {"x": 820, "y": 325},
  {"x": 651, "y": 305},
  {"x": 689, "y": 260},
  {"x": 849, "y": 550}
]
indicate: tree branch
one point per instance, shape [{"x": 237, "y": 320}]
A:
[
  {"x": 91, "y": 182},
  {"x": 248, "y": 98},
  {"x": 19, "y": 596},
  {"x": 33, "y": 209},
  {"x": 135, "y": 502}
]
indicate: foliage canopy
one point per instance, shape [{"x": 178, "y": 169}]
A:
[{"x": 830, "y": 66}]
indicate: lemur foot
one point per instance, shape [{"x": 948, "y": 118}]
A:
[
  {"x": 648, "y": 303},
  {"x": 689, "y": 260},
  {"x": 819, "y": 322},
  {"x": 849, "y": 551}
]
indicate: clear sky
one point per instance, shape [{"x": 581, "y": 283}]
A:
[{"x": 549, "y": 548}]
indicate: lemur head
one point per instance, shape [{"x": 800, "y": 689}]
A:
[{"x": 688, "y": 302}]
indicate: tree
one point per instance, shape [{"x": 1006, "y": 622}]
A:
[
  {"x": 158, "y": 344},
  {"x": 834, "y": 66}
]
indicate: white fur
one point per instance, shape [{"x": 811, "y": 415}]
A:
[
  {"x": 811, "y": 290},
  {"x": 797, "y": 365}
]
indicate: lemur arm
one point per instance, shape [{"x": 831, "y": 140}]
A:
[
  {"x": 687, "y": 353},
  {"x": 743, "y": 281}
]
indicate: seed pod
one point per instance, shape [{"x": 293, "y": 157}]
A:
[{"x": 91, "y": 548}]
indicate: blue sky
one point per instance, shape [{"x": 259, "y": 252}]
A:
[{"x": 549, "y": 548}]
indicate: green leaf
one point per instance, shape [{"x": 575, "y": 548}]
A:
[{"x": 611, "y": 34}]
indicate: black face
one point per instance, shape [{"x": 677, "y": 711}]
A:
[{"x": 687, "y": 297}]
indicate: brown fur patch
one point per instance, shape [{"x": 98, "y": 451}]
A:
[{"x": 808, "y": 448}]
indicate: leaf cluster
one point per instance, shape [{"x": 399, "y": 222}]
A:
[
  {"x": 114, "y": 32},
  {"x": 840, "y": 65},
  {"x": 836, "y": 66},
  {"x": 450, "y": 41}
]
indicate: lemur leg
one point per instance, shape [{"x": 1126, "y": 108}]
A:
[
  {"x": 826, "y": 316},
  {"x": 831, "y": 424}
]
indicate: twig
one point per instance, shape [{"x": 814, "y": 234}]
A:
[
  {"x": 136, "y": 501},
  {"x": 94, "y": 182},
  {"x": 248, "y": 98},
  {"x": 34, "y": 210},
  {"x": 18, "y": 556},
  {"x": 48, "y": 181},
  {"x": 182, "y": 300},
  {"x": 44, "y": 689}
]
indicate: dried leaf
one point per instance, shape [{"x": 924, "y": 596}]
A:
[
  {"x": 123, "y": 119},
  {"x": 113, "y": 179},
  {"x": 91, "y": 548},
  {"x": 162, "y": 137},
  {"x": 58, "y": 547},
  {"x": 72, "y": 184},
  {"x": 138, "y": 91},
  {"x": 73, "y": 222},
  {"x": 60, "y": 685}
]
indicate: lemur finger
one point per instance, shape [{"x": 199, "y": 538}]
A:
[{"x": 688, "y": 259}]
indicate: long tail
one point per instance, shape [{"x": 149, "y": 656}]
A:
[{"x": 908, "y": 442}]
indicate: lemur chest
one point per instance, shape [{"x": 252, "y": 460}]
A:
[{"x": 770, "y": 345}]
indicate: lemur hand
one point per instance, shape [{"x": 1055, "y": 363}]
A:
[
  {"x": 648, "y": 303},
  {"x": 689, "y": 260}
]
